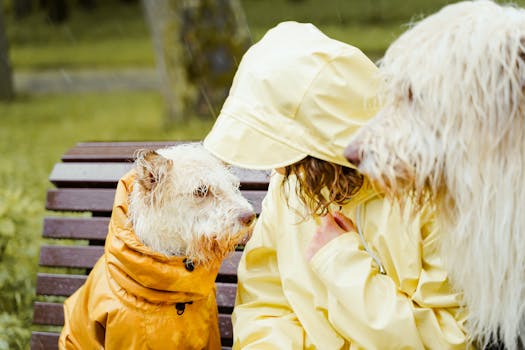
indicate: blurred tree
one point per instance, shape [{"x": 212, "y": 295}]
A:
[
  {"x": 6, "y": 79},
  {"x": 87, "y": 4},
  {"x": 215, "y": 35},
  {"x": 198, "y": 44},
  {"x": 163, "y": 17},
  {"x": 22, "y": 8},
  {"x": 375, "y": 11},
  {"x": 57, "y": 10}
]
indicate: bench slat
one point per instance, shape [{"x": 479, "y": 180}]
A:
[
  {"x": 101, "y": 200},
  {"x": 76, "y": 228},
  {"x": 65, "y": 285},
  {"x": 110, "y": 151},
  {"x": 94, "y": 228},
  {"x": 106, "y": 175},
  {"x": 61, "y": 285},
  {"x": 49, "y": 341},
  {"x": 70, "y": 256},
  {"x": 82, "y": 199},
  {"x": 44, "y": 341},
  {"x": 46, "y": 313},
  {"x": 87, "y": 256}
]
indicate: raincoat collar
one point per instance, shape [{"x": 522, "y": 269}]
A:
[{"x": 143, "y": 272}]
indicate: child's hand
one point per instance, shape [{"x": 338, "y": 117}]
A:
[{"x": 332, "y": 226}]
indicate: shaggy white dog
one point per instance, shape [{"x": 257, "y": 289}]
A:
[
  {"x": 176, "y": 215},
  {"x": 187, "y": 203},
  {"x": 451, "y": 132}
]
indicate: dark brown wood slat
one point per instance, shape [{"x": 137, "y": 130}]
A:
[
  {"x": 44, "y": 341},
  {"x": 62, "y": 285},
  {"x": 252, "y": 179},
  {"x": 53, "y": 314},
  {"x": 230, "y": 264},
  {"x": 65, "y": 285},
  {"x": 106, "y": 175},
  {"x": 76, "y": 228},
  {"x": 49, "y": 341},
  {"x": 101, "y": 200},
  {"x": 48, "y": 313},
  {"x": 226, "y": 293},
  {"x": 70, "y": 256},
  {"x": 111, "y": 151},
  {"x": 87, "y": 256},
  {"x": 103, "y": 175},
  {"x": 226, "y": 327},
  {"x": 80, "y": 199},
  {"x": 94, "y": 228}
]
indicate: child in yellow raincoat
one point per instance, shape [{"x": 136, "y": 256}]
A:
[{"x": 331, "y": 265}]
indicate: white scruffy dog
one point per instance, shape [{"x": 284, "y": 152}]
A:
[
  {"x": 176, "y": 215},
  {"x": 187, "y": 203},
  {"x": 451, "y": 131}
]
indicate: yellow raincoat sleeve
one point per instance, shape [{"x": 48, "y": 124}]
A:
[
  {"x": 411, "y": 307},
  {"x": 262, "y": 318}
]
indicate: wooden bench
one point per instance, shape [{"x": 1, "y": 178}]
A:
[{"x": 85, "y": 181}]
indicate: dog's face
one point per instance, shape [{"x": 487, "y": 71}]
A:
[
  {"x": 187, "y": 202},
  {"x": 453, "y": 88}
]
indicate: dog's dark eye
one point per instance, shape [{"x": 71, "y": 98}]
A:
[
  {"x": 410, "y": 94},
  {"x": 201, "y": 191}
]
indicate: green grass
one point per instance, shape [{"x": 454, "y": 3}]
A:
[
  {"x": 124, "y": 41},
  {"x": 113, "y": 35},
  {"x": 372, "y": 39},
  {"x": 369, "y": 25},
  {"x": 262, "y": 13},
  {"x": 101, "y": 54},
  {"x": 338, "y": 12},
  {"x": 35, "y": 131}
]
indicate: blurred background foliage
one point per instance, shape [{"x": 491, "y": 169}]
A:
[{"x": 108, "y": 36}]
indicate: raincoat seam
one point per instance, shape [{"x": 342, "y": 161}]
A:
[
  {"x": 145, "y": 330},
  {"x": 265, "y": 133},
  {"x": 321, "y": 70},
  {"x": 117, "y": 293}
]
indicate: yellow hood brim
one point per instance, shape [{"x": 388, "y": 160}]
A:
[{"x": 296, "y": 93}]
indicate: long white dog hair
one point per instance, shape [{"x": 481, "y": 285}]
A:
[{"x": 452, "y": 132}]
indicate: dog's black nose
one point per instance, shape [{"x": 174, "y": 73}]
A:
[
  {"x": 247, "y": 218},
  {"x": 353, "y": 154}
]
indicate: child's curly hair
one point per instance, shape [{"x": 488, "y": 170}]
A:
[{"x": 316, "y": 177}]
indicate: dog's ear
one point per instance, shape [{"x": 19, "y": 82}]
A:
[{"x": 151, "y": 168}]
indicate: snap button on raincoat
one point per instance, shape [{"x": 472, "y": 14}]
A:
[{"x": 135, "y": 298}]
